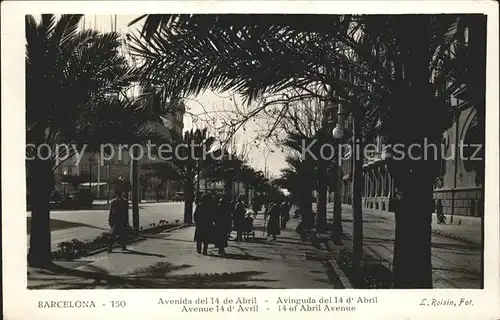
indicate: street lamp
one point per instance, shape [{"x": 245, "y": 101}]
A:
[
  {"x": 64, "y": 174},
  {"x": 386, "y": 155},
  {"x": 338, "y": 131}
]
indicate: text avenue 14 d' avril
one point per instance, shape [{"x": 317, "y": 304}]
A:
[{"x": 242, "y": 304}]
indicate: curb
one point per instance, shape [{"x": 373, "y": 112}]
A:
[
  {"x": 455, "y": 237},
  {"x": 342, "y": 277},
  {"x": 336, "y": 268}
]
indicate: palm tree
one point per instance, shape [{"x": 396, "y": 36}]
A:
[
  {"x": 297, "y": 179},
  {"x": 395, "y": 66},
  {"x": 74, "y": 80},
  {"x": 192, "y": 153}
]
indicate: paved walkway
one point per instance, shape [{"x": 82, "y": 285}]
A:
[
  {"x": 467, "y": 229},
  {"x": 455, "y": 263},
  {"x": 171, "y": 261}
]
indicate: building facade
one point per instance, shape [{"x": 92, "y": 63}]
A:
[{"x": 459, "y": 185}]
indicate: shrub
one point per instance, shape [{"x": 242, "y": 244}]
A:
[{"x": 69, "y": 250}]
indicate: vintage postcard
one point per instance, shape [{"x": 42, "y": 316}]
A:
[{"x": 222, "y": 159}]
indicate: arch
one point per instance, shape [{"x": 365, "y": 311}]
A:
[
  {"x": 374, "y": 183},
  {"x": 387, "y": 183},
  {"x": 471, "y": 117},
  {"x": 378, "y": 173}
]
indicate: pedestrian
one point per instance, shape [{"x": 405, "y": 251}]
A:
[
  {"x": 204, "y": 222},
  {"x": 273, "y": 225},
  {"x": 285, "y": 214},
  {"x": 255, "y": 207},
  {"x": 439, "y": 212},
  {"x": 222, "y": 225},
  {"x": 118, "y": 221},
  {"x": 267, "y": 206},
  {"x": 239, "y": 219}
]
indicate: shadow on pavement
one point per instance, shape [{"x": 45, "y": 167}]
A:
[
  {"x": 235, "y": 256},
  {"x": 155, "y": 276},
  {"x": 140, "y": 253},
  {"x": 56, "y": 224}
]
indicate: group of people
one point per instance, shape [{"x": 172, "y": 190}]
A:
[
  {"x": 214, "y": 219},
  {"x": 279, "y": 215}
]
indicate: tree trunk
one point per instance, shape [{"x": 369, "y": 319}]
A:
[
  {"x": 135, "y": 195},
  {"x": 40, "y": 185},
  {"x": 305, "y": 208},
  {"x": 412, "y": 245},
  {"x": 247, "y": 194},
  {"x": 357, "y": 187},
  {"x": 188, "y": 202},
  {"x": 228, "y": 188},
  {"x": 321, "y": 204}
]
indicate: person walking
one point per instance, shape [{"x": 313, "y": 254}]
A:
[
  {"x": 227, "y": 210},
  {"x": 273, "y": 225},
  {"x": 118, "y": 221},
  {"x": 285, "y": 214},
  {"x": 239, "y": 219},
  {"x": 439, "y": 212},
  {"x": 255, "y": 207},
  {"x": 222, "y": 225},
  {"x": 204, "y": 222}
]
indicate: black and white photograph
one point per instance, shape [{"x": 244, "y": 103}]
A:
[{"x": 257, "y": 151}]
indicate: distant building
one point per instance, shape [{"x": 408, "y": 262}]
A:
[{"x": 98, "y": 175}]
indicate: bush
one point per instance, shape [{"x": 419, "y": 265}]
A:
[{"x": 369, "y": 275}]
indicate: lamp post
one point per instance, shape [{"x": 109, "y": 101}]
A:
[
  {"x": 64, "y": 174},
  {"x": 267, "y": 152},
  {"x": 90, "y": 173},
  {"x": 338, "y": 134}
]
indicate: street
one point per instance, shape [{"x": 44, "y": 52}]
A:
[{"x": 88, "y": 224}]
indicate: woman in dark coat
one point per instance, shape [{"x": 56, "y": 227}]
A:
[
  {"x": 204, "y": 221},
  {"x": 239, "y": 219},
  {"x": 222, "y": 225},
  {"x": 273, "y": 225}
]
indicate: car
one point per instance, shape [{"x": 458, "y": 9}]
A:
[
  {"x": 78, "y": 198},
  {"x": 179, "y": 196}
]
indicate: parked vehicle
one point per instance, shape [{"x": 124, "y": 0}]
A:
[
  {"x": 78, "y": 198},
  {"x": 179, "y": 196}
]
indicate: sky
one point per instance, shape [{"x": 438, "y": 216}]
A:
[{"x": 258, "y": 153}]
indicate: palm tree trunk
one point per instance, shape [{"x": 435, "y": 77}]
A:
[
  {"x": 357, "y": 185},
  {"x": 188, "y": 202},
  {"x": 135, "y": 194},
  {"x": 412, "y": 245},
  {"x": 40, "y": 182},
  {"x": 228, "y": 188},
  {"x": 321, "y": 204}
]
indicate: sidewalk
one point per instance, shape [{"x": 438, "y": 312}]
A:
[
  {"x": 455, "y": 264},
  {"x": 171, "y": 261},
  {"x": 467, "y": 229}
]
